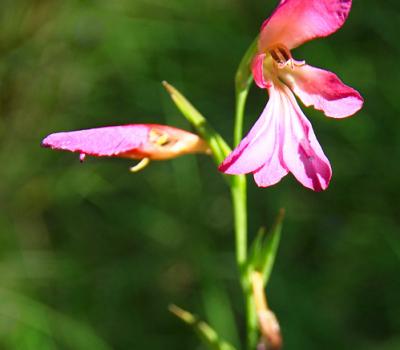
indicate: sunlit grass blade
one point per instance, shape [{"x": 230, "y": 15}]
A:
[{"x": 208, "y": 335}]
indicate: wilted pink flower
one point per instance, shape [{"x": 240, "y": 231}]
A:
[
  {"x": 135, "y": 141},
  {"x": 282, "y": 140}
]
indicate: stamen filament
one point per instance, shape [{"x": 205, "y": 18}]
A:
[
  {"x": 283, "y": 57},
  {"x": 140, "y": 166}
]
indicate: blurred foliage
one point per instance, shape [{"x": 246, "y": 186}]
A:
[{"x": 91, "y": 255}]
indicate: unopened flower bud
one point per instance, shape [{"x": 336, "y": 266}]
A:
[{"x": 135, "y": 141}]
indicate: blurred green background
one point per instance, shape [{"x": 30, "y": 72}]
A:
[{"x": 91, "y": 255}]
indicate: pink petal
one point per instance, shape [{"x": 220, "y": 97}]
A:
[
  {"x": 297, "y": 21},
  {"x": 272, "y": 171},
  {"x": 105, "y": 141},
  {"x": 258, "y": 71},
  {"x": 258, "y": 146},
  {"x": 323, "y": 90},
  {"x": 302, "y": 154}
]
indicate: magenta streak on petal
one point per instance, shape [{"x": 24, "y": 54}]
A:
[
  {"x": 105, "y": 141},
  {"x": 297, "y": 21},
  {"x": 302, "y": 153},
  {"x": 258, "y": 145},
  {"x": 323, "y": 90}
]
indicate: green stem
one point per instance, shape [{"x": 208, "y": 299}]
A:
[
  {"x": 243, "y": 81},
  {"x": 241, "y": 97},
  {"x": 238, "y": 192},
  {"x": 251, "y": 320}
]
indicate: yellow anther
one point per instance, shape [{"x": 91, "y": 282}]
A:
[
  {"x": 158, "y": 137},
  {"x": 140, "y": 166}
]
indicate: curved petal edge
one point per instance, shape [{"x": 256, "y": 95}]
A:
[
  {"x": 323, "y": 90},
  {"x": 297, "y": 21}
]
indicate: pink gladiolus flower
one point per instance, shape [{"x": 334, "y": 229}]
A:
[
  {"x": 282, "y": 140},
  {"x": 135, "y": 141}
]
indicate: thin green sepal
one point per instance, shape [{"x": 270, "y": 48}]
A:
[{"x": 218, "y": 146}]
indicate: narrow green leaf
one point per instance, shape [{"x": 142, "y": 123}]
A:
[
  {"x": 270, "y": 247},
  {"x": 255, "y": 250},
  {"x": 219, "y": 147},
  {"x": 208, "y": 335},
  {"x": 264, "y": 248}
]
